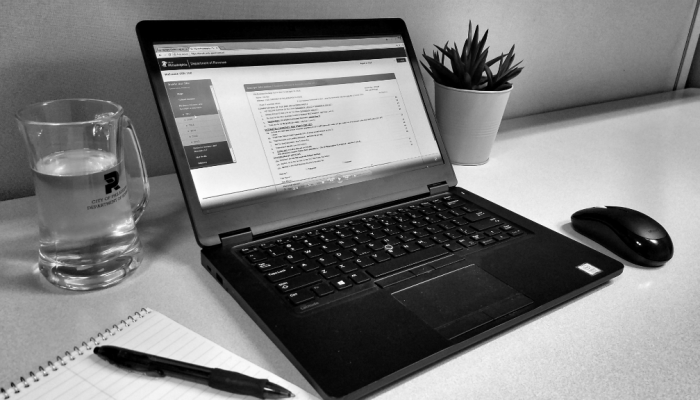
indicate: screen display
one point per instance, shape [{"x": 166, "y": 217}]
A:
[{"x": 270, "y": 119}]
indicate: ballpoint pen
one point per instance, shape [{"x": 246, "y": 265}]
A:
[{"x": 216, "y": 378}]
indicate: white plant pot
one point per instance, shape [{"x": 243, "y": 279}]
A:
[{"x": 468, "y": 121}]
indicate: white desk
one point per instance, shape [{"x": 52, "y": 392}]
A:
[{"x": 637, "y": 337}]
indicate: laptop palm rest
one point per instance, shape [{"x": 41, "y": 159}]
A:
[{"x": 461, "y": 300}]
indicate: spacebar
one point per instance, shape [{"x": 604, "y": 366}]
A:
[{"x": 396, "y": 264}]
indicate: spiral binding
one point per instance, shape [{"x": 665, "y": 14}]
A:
[{"x": 70, "y": 356}]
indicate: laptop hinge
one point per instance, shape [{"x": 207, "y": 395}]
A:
[
  {"x": 235, "y": 238},
  {"x": 437, "y": 188}
]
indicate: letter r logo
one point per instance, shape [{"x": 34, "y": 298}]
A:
[{"x": 112, "y": 180}]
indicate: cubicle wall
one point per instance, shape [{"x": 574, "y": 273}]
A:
[{"x": 575, "y": 52}]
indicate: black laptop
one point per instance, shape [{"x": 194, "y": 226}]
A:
[{"x": 325, "y": 203}]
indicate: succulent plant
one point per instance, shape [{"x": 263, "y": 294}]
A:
[{"x": 471, "y": 70}]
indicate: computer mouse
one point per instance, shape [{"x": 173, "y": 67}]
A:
[{"x": 630, "y": 234}]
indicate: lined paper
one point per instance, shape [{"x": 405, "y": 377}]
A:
[{"x": 89, "y": 377}]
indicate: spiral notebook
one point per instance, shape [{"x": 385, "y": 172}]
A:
[{"x": 80, "y": 374}]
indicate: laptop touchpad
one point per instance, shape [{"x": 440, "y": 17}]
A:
[{"x": 461, "y": 300}]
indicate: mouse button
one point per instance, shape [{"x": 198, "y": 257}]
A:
[{"x": 637, "y": 223}]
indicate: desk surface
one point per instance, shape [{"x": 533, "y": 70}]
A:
[{"x": 636, "y": 337}]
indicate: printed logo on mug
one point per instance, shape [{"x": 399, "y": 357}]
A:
[{"x": 112, "y": 180}]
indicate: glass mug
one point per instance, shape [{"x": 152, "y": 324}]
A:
[{"x": 91, "y": 189}]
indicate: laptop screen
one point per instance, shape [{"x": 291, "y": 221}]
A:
[{"x": 263, "y": 119}]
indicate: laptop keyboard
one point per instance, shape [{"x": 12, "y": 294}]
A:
[{"x": 411, "y": 242}]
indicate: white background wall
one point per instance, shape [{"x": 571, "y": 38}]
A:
[{"x": 575, "y": 52}]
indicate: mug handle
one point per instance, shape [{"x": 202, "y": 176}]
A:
[{"x": 139, "y": 189}]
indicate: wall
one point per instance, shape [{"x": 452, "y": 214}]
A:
[{"x": 575, "y": 52}]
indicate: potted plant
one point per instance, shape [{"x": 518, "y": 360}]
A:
[{"x": 470, "y": 98}]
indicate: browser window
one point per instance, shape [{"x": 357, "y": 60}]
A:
[{"x": 282, "y": 118}]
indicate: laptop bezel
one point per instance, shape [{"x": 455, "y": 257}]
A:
[{"x": 250, "y": 221}]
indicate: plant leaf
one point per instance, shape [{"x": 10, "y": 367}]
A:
[
  {"x": 483, "y": 42},
  {"x": 495, "y": 59},
  {"x": 467, "y": 44},
  {"x": 473, "y": 50},
  {"x": 509, "y": 59},
  {"x": 489, "y": 77},
  {"x": 427, "y": 69}
]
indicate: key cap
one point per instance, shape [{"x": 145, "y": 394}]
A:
[
  {"x": 329, "y": 273},
  {"x": 307, "y": 266},
  {"x": 271, "y": 264},
  {"x": 377, "y": 234},
  {"x": 256, "y": 257},
  {"x": 362, "y": 238},
  {"x": 453, "y": 235},
  {"x": 345, "y": 243},
  {"x": 486, "y": 224},
  {"x": 440, "y": 238},
  {"x": 301, "y": 296},
  {"x": 322, "y": 289},
  {"x": 344, "y": 255},
  {"x": 397, "y": 252},
  {"x": 455, "y": 203},
  {"x": 391, "y": 241},
  {"x": 475, "y": 216},
  {"x": 419, "y": 233},
  {"x": 467, "y": 242},
  {"x": 376, "y": 246},
  {"x": 380, "y": 257},
  {"x": 293, "y": 246},
  {"x": 284, "y": 273},
  {"x": 488, "y": 242},
  {"x": 326, "y": 261},
  {"x": 311, "y": 242},
  {"x": 411, "y": 247},
  {"x": 312, "y": 252},
  {"x": 298, "y": 282},
  {"x": 493, "y": 232},
  {"x": 331, "y": 247},
  {"x": 347, "y": 267},
  {"x": 341, "y": 284},
  {"x": 447, "y": 225},
  {"x": 425, "y": 243},
  {"x": 364, "y": 262},
  {"x": 453, "y": 246},
  {"x": 343, "y": 233},
  {"x": 359, "y": 277},
  {"x": 295, "y": 257}
]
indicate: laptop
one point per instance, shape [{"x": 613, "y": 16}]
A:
[{"x": 325, "y": 204}]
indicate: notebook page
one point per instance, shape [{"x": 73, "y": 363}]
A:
[{"x": 89, "y": 377}]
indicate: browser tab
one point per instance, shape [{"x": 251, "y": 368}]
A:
[{"x": 170, "y": 49}]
